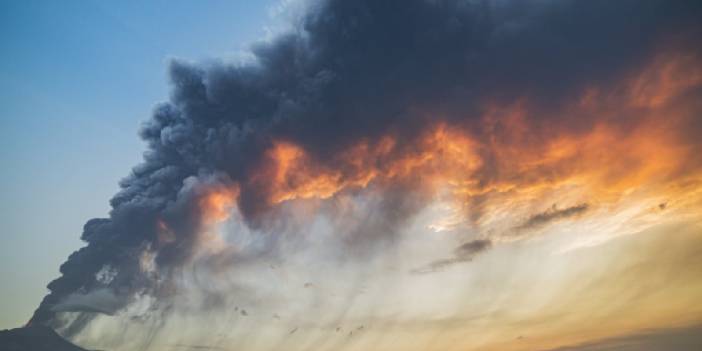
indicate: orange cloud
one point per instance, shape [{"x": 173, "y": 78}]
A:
[
  {"x": 611, "y": 141},
  {"x": 217, "y": 203}
]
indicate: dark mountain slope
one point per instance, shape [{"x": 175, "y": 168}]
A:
[{"x": 34, "y": 338}]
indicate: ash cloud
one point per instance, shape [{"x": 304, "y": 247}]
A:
[
  {"x": 353, "y": 70},
  {"x": 98, "y": 301}
]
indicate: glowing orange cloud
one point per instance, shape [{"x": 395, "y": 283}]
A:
[
  {"x": 631, "y": 139},
  {"x": 217, "y": 203},
  {"x": 292, "y": 174}
]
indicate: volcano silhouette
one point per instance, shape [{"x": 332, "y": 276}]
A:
[{"x": 34, "y": 338}]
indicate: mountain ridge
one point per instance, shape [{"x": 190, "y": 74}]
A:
[{"x": 35, "y": 338}]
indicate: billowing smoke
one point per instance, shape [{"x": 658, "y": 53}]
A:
[{"x": 391, "y": 106}]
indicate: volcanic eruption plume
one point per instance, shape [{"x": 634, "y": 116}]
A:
[{"x": 342, "y": 137}]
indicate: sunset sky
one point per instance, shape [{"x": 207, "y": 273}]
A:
[{"x": 354, "y": 175}]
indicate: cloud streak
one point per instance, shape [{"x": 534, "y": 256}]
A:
[
  {"x": 551, "y": 215},
  {"x": 681, "y": 338},
  {"x": 463, "y": 253}
]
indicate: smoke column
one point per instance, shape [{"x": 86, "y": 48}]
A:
[{"x": 393, "y": 100}]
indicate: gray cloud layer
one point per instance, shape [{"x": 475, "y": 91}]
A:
[{"x": 687, "y": 338}]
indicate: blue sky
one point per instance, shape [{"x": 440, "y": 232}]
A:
[{"x": 76, "y": 80}]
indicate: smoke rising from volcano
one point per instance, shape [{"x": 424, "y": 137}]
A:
[{"x": 365, "y": 113}]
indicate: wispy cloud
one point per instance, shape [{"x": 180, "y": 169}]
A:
[
  {"x": 463, "y": 253},
  {"x": 552, "y": 214}
]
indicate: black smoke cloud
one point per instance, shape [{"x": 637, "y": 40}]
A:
[{"x": 353, "y": 70}]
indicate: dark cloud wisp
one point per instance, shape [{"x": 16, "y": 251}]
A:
[{"x": 551, "y": 215}]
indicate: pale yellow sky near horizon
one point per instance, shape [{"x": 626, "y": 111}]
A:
[{"x": 525, "y": 295}]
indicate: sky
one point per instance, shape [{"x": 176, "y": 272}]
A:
[
  {"x": 78, "y": 79},
  {"x": 354, "y": 175}
]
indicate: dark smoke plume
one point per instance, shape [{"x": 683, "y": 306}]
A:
[{"x": 353, "y": 70}]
